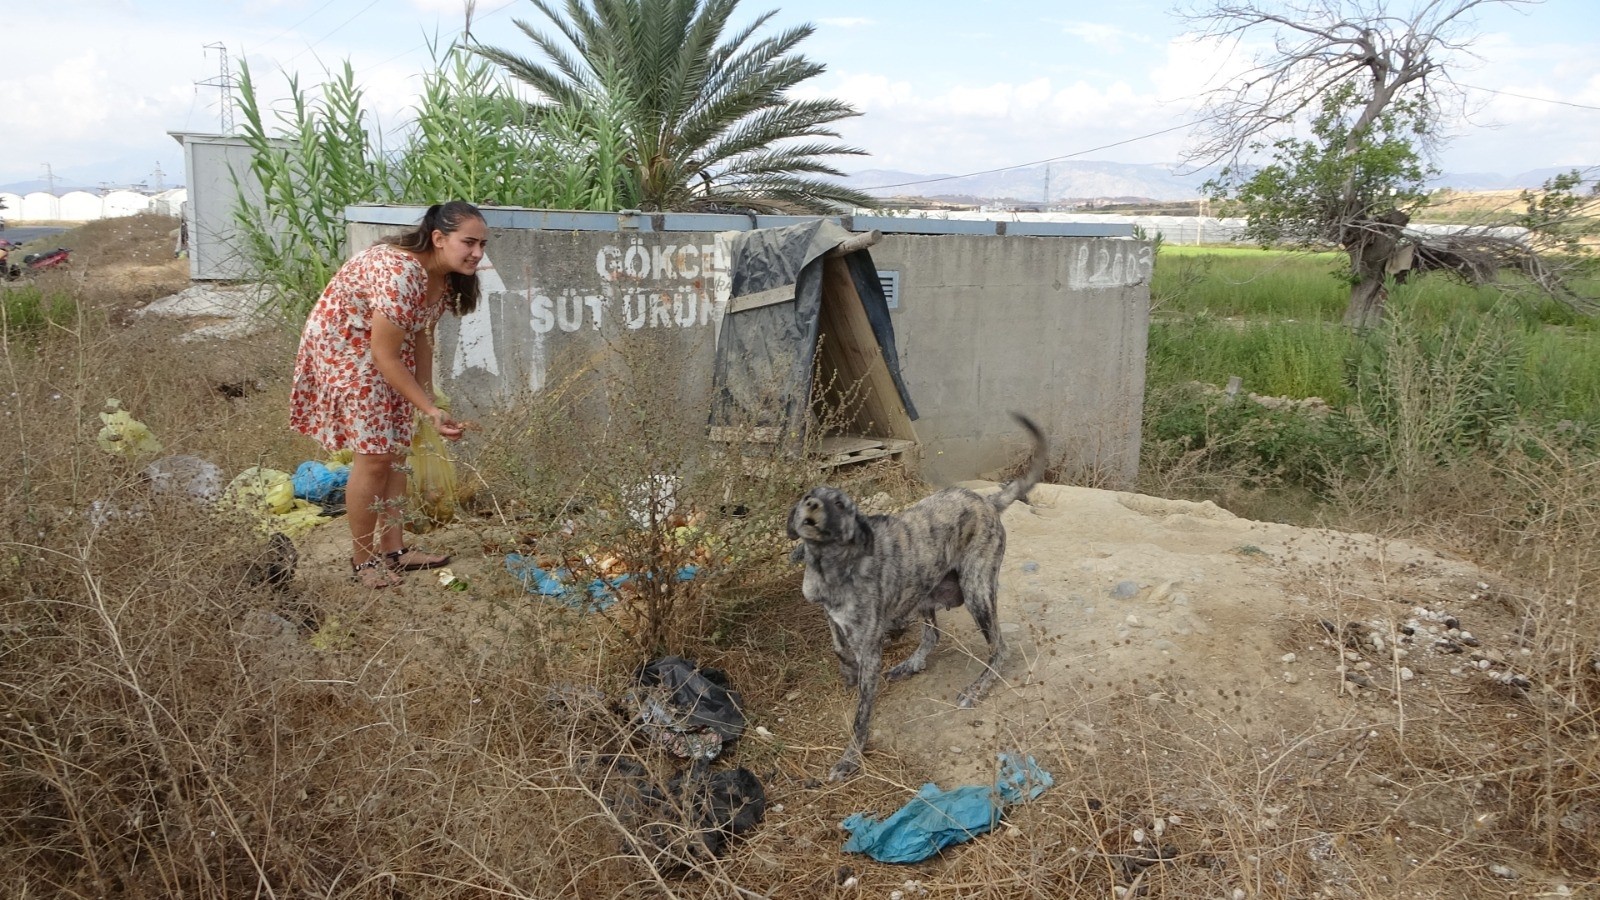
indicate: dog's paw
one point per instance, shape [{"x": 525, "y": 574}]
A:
[
  {"x": 845, "y": 769},
  {"x": 904, "y": 670}
]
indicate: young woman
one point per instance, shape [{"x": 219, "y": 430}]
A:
[{"x": 365, "y": 367}]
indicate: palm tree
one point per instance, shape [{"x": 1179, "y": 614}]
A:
[{"x": 706, "y": 123}]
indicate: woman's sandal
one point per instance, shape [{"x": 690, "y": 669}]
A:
[
  {"x": 375, "y": 573},
  {"x": 398, "y": 563}
]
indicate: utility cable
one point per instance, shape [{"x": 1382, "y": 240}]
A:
[{"x": 1036, "y": 163}]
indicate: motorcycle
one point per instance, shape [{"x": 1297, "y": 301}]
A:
[
  {"x": 47, "y": 259},
  {"x": 33, "y": 262}
]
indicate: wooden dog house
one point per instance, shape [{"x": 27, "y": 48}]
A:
[{"x": 807, "y": 344}]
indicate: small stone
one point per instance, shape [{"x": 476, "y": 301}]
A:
[
  {"x": 1291, "y": 678},
  {"x": 1501, "y": 871},
  {"x": 1239, "y": 894},
  {"x": 1406, "y": 674},
  {"x": 762, "y": 730},
  {"x": 1030, "y": 567},
  {"x": 1289, "y": 657},
  {"x": 1138, "y": 835},
  {"x": 1124, "y": 590},
  {"x": 955, "y": 749},
  {"x": 1133, "y": 621}
]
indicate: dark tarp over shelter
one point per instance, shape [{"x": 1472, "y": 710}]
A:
[{"x": 807, "y": 324}]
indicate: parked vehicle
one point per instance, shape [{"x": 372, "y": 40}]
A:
[
  {"x": 47, "y": 259},
  {"x": 33, "y": 262}
]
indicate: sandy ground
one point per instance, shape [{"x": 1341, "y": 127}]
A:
[{"x": 1116, "y": 603}]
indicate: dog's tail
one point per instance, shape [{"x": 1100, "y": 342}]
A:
[{"x": 1019, "y": 488}]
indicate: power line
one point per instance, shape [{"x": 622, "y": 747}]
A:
[
  {"x": 331, "y": 33},
  {"x": 302, "y": 21},
  {"x": 1526, "y": 97},
  {"x": 1036, "y": 162}
]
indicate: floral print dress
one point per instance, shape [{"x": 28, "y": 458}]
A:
[{"x": 338, "y": 397}]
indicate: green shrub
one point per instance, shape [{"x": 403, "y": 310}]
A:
[
  {"x": 27, "y": 310},
  {"x": 1206, "y": 431},
  {"x": 1282, "y": 359},
  {"x": 1429, "y": 396}
]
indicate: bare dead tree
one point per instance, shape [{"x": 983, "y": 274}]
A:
[{"x": 1373, "y": 82}]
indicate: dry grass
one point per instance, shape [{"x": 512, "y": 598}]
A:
[{"x": 175, "y": 727}]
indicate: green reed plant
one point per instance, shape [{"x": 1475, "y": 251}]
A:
[
  {"x": 472, "y": 139},
  {"x": 319, "y": 159},
  {"x": 475, "y": 139}
]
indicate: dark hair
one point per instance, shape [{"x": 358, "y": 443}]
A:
[{"x": 460, "y": 290}]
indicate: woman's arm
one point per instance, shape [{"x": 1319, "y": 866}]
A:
[
  {"x": 425, "y": 363},
  {"x": 387, "y": 341}
]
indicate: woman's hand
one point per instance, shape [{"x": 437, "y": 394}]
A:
[{"x": 447, "y": 427}]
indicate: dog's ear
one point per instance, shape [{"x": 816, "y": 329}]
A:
[
  {"x": 863, "y": 535},
  {"x": 788, "y": 525},
  {"x": 798, "y": 554}
]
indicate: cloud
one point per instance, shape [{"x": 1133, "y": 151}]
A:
[
  {"x": 455, "y": 8},
  {"x": 978, "y": 126},
  {"x": 1106, "y": 37}
]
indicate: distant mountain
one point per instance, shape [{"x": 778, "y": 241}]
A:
[
  {"x": 1053, "y": 183},
  {"x": 1493, "y": 181},
  {"x": 39, "y": 184},
  {"x": 1071, "y": 181}
]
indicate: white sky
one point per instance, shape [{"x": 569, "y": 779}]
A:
[{"x": 945, "y": 86}]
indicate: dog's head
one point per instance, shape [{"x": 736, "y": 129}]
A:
[{"x": 827, "y": 515}]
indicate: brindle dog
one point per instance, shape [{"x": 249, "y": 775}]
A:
[{"x": 875, "y": 575}]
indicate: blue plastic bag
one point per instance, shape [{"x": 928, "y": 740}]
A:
[
  {"x": 316, "y": 482},
  {"x": 936, "y": 819},
  {"x": 557, "y": 583}
]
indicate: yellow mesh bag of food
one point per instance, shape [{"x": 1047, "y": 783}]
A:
[{"x": 432, "y": 485}]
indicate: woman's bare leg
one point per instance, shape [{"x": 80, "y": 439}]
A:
[{"x": 366, "y": 505}]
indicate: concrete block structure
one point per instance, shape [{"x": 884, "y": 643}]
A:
[{"x": 1048, "y": 319}]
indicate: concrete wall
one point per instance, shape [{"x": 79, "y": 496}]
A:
[
  {"x": 1053, "y": 326},
  {"x": 555, "y": 302}
]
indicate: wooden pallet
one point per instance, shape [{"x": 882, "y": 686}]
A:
[
  {"x": 832, "y": 451},
  {"x": 843, "y": 450}
]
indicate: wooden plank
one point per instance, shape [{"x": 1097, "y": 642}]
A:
[
  {"x": 758, "y": 434},
  {"x": 771, "y": 297},
  {"x": 850, "y": 350},
  {"x": 835, "y": 444}
]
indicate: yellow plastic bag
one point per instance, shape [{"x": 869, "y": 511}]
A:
[
  {"x": 124, "y": 435},
  {"x": 261, "y": 491},
  {"x": 267, "y": 495},
  {"x": 432, "y": 485}
]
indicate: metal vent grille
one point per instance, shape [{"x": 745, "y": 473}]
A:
[{"x": 891, "y": 286}]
